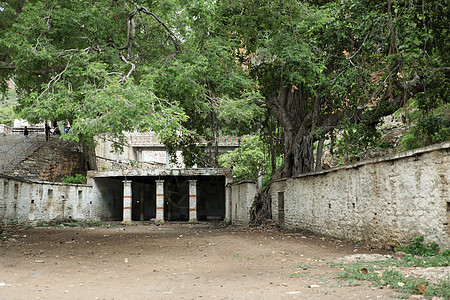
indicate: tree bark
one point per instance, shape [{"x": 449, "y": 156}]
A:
[
  {"x": 299, "y": 115},
  {"x": 90, "y": 158},
  {"x": 319, "y": 155}
]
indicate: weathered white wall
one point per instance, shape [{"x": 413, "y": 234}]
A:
[
  {"x": 242, "y": 196},
  {"x": 26, "y": 201},
  {"x": 383, "y": 202},
  {"x": 109, "y": 195},
  {"x": 5, "y": 129},
  {"x": 147, "y": 150}
]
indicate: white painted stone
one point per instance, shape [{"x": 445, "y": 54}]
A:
[
  {"x": 383, "y": 202},
  {"x": 27, "y": 201},
  {"x": 193, "y": 201},
  {"x": 127, "y": 201},
  {"x": 160, "y": 201},
  {"x": 242, "y": 196}
]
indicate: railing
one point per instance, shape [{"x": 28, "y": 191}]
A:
[
  {"x": 19, "y": 130},
  {"x": 19, "y": 148},
  {"x": 107, "y": 164}
]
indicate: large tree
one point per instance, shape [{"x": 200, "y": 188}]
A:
[
  {"x": 320, "y": 64},
  {"x": 192, "y": 69},
  {"x": 114, "y": 66}
]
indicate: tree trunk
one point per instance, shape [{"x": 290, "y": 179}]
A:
[
  {"x": 90, "y": 159},
  {"x": 299, "y": 158},
  {"x": 295, "y": 111},
  {"x": 319, "y": 155}
]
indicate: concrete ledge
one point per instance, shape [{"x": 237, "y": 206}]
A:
[
  {"x": 161, "y": 172},
  {"x": 392, "y": 157},
  {"x": 383, "y": 202}
]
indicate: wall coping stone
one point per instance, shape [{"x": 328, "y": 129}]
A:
[
  {"x": 161, "y": 172},
  {"x": 40, "y": 181},
  {"x": 391, "y": 157},
  {"x": 241, "y": 182}
]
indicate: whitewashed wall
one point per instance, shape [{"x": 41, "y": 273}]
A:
[
  {"x": 26, "y": 201},
  {"x": 242, "y": 196},
  {"x": 383, "y": 202}
]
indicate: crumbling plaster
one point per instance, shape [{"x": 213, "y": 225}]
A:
[
  {"x": 383, "y": 202},
  {"x": 32, "y": 201},
  {"x": 242, "y": 197}
]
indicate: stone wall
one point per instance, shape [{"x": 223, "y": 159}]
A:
[
  {"x": 242, "y": 196},
  {"x": 382, "y": 202},
  {"x": 5, "y": 129},
  {"x": 50, "y": 163},
  {"x": 26, "y": 201},
  {"x": 110, "y": 192}
]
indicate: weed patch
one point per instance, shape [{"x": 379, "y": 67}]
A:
[{"x": 386, "y": 273}]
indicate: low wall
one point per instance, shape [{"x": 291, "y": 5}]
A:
[
  {"x": 382, "y": 202},
  {"x": 5, "y": 129},
  {"x": 242, "y": 196},
  {"x": 27, "y": 201},
  {"x": 50, "y": 164}
]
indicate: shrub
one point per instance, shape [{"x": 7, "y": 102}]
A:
[
  {"x": 417, "y": 247},
  {"x": 430, "y": 129},
  {"x": 77, "y": 179}
]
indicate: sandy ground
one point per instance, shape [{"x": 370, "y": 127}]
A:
[{"x": 175, "y": 261}]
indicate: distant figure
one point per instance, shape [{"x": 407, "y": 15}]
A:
[
  {"x": 26, "y": 138},
  {"x": 57, "y": 131},
  {"x": 47, "y": 132},
  {"x": 66, "y": 128}
]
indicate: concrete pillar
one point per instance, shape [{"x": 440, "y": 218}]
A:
[
  {"x": 126, "y": 201},
  {"x": 193, "y": 201},
  {"x": 228, "y": 203},
  {"x": 228, "y": 196},
  {"x": 141, "y": 204},
  {"x": 160, "y": 201},
  {"x": 138, "y": 154}
]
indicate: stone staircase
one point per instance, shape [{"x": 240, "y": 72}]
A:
[
  {"x": 13, "y": 150},
  {"x": 39, "y": 159}
]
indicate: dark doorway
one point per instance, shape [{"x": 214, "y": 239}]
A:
[
  {"x": 281, "y": 208},
  {"x": 210, "y": 197},
  {"x": 176, "y": 199}
]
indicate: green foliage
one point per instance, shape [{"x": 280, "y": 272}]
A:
[
  {"x": 42, "y": 224},
  {"x": 219, "y": 67},
  {"x": 355, "y": 139},
  {"x": 179, "y": 80},
  {"x": 425, "y": 261},
  {"x": 417, "y": 247},
  {"x": 410, "y": 141},
  {"x": 384, "y": 273},
  {"x": 428, "y": 130},
  {"x": 69, "y": 222},
  {"x": 248, "y": 161},
  {"x": 77, "y": 179},
  {"x": 8, "y": 102},
  {"x": 7, "y": 115},
  {"x": 442, "y": 289},
  {"x": 7, "y": 229}
]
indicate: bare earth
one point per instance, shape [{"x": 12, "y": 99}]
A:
[{"x": 175, "y": 261}]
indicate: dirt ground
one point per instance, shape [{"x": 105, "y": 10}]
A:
[{"x": 175, "y": 261}]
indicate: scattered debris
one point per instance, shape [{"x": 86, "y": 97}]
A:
[
  {"x": 431, "y": 274},
  {"x": 364, "y": 257}
]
